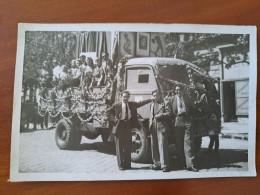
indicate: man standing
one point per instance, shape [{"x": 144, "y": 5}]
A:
[
  {"x": 182, "y": 108},
  {"x": 107, "y": 67},
  {"x": 159, "y": 140},
  {"x": 125, "y": 118},
  {"x": 98, "y": 74}
]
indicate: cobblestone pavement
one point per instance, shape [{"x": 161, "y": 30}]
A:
[{"x": 39, "y": 153}]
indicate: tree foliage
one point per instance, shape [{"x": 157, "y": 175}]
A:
[
  {"x": 184, "y": 45},
  {"x": 46, "y": 46}
]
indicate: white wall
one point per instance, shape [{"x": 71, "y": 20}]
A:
[{"x": 237, "y": 71}]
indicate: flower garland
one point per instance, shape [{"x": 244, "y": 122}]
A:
[{"x": 94, "y": 103}]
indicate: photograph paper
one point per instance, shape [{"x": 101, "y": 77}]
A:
[{"x": 95, "y": 102}]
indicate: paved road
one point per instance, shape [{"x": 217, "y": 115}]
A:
[{"x": 39, "y": 153}]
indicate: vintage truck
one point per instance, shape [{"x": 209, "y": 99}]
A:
[{"x": 83, "y": 113}]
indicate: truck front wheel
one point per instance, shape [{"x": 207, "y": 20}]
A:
[
  {"x": 67, "y": 135},
  {"x": 140, "y": 145}
]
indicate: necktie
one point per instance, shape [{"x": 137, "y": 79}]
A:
[
  {"x": 126, "y": 112},
  {"x": 153, "y": 110},
  {"x": 181, "y": 106}
]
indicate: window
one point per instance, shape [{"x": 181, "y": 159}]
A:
[
  {"x": 140, "y": 79},
  {"x": 143, "y": 78}
]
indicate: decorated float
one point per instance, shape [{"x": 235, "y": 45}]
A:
[{"x": 81, "y": 111}]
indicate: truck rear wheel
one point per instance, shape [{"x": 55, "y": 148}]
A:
[
  {"x": 140, "y": 145},
  {"x": 67, "y": 135}
]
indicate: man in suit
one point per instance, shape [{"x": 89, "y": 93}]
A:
[
  {"x": 158, "y": 131},
  {"x": 107, "y": 67},
  {"x": 125, "y": 118},
  {"x": 182, "y": 109}
]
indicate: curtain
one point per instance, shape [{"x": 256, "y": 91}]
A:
[
  {"x": 77, "y": 45},
  {"x": 93, "y": 42},
  {"x": 90, "y": 39},
  {"x": 115, "y": 46}
]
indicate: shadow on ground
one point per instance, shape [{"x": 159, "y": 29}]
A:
[
  {"x": 225, "y": 158},
  {"x": 106, "y": 148},
  {"x": 30, "y": 130}
]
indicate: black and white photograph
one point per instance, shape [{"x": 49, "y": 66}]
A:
[{"x": 133, "y": 102}]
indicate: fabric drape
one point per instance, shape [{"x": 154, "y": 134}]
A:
[{"x": 92, "y": 42}]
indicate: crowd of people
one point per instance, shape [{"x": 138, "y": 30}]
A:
[{"x": 83, "y": 71}]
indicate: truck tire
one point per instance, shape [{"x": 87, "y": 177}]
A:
[
  {"x": 140, "y": 145},
  {"x": 67, "y": 136},
  {"x": 105, "y": 136}
]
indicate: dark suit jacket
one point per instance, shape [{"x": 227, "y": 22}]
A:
[
  {"x": 116, "y": 110},
  {"x": 172, "y": 106},
  {"x": 162, "y": 124}
]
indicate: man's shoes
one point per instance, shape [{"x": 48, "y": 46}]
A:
[
  {"x": 121, "y": 168},
  {"x": 166, "y": 169},
  {"x": 125, "y": 168},
  {"x": 192, "y": 168},
  {"x": 155, "y": 167}
]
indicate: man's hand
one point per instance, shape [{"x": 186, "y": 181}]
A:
[
  {"x": 158, "y": 116},
  {"x": 181, "y": 113}
]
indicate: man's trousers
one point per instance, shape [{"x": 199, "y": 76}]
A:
[
  {"x": 159, "y": 145},
  {"x": 185, "y": 145},
  {"x": 123, "y": 143}
]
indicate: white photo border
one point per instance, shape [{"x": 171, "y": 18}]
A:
[{"x": 16, "y": 176}]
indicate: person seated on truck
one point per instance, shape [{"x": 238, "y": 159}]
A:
[
  {"x": 86, "y": 67},
  {"x": 44, "y": 76},
  {"x": 64, "y": 81},
  {"x": 85, "y": 75},
  {"x": 73, "y": 63},
  {"x": 90, "y": 63},
  {"x": 56, "y": 71},
  {"x": 118, "y": 81},
  {"x": 78, "y": 63},
  {"x": 74, "y": 70},
  {"x": 74, "y": 74},
  {"x": 82, "y": 58},
  {"x": 107, "y": 67},
  {"x": 98, "y": 74}
]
